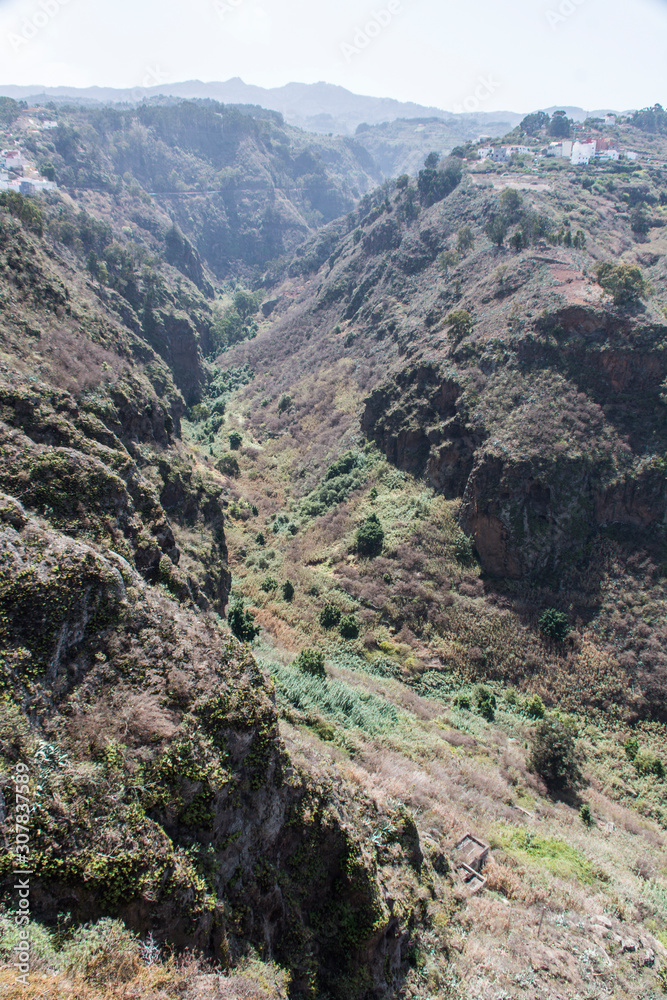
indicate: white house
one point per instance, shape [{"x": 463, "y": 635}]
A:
[
  {"x": 499, "y": 154},
  {"x": 582, "y": 153},
  {"x": 484, "y": 152},
  {"x": 610, "y": 119},
  {"x": 632, "y": 156},
  {"x": 11, "y": 159},
  {"x": 520, "y": 150},
  {"x": 608, "y": 154}
]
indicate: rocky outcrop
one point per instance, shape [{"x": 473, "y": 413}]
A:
[{"x": 165, "y": 795}]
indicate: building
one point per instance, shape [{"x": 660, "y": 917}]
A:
[
  {"x": 608, "y": 154},
  {"x": 11, "y": 159},
  {"x": 610, "y": 119},
  {"x": 582, "y": 153},
  {"x": 632, "y": 156}
]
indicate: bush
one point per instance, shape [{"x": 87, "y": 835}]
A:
[
  {"x": 349, "y": 628},
  {"x": 460, "y": 322},
  {"x": 463, "y": 548},
  {"x": 631, "y": 747},
  {"x": 104, "y": 953},
  {"x": 260, "y": 538},
  {"x": 235, "y": 440},
  {"x": 647, "y": 763},
  {"x": 288, "y": 591},
  {"x": 370, "y": 537},
  {"x": 486, "y": 702},
  {"x": 462, "y": 701},
  {"x": 553, "y": 755},
  {"x": 330, "y": 616},
  {"x": 624, "y": 282},
  {"x": 242, "y": 622},
  {"x": 269, "y": 584},
  {"x": 535, "y": 707},
  {"x": 284, "y": 402},
  {"x": 585, "y": 813},
  {"x": 554, "y": 624},
  {"x": 228, "y": 465},
  {"x": 311, "y": 661}
]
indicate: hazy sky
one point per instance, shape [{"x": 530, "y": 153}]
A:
[{"x": 469, "y": 54}]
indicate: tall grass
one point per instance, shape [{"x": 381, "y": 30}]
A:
[{"x": 348, "y": 706}]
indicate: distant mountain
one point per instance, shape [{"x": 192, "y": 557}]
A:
[{"x": 315, "y": 107}]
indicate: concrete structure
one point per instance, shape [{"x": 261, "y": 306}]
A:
[
  {"x": 583, "y": 153},
  {"x": 470, "y": 855},
  {"x": 11, "y": 159}
]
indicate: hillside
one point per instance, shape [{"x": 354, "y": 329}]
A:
[
  {"x": 321, "y": 108},
  {"x": 242, "y": 186},
  {"x": 304, "y": 555}
]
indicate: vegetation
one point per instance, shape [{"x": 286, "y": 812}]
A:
[
  {"x": 554, "y": 624},
  {"x": 242, "y": 621},
  {"x": 370, "y": 537},
  {"x": 554, "y": 756}
]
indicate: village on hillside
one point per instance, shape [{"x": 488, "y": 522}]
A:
[{"x": 581, "y": 150}]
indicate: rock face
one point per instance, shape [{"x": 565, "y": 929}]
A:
[
  {"x": 540, "y": 472},
  {"x": 166, "y": 797}
]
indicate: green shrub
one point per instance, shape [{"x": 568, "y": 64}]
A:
[
  {"x": 535, "y": 707},
  {"x": 463, "y": 548},
  {"x": 624, "y": 282},
  {"x": 311, "y": 661},
  {"x": 260, "y": 538},
  {"x": 349, "y": 628},
  {"x": 631, "y": 747},
  {"x": 228, "y": 465},
  {"x": 235, "y": 440},
  {"x": 460, "y": 322},
  {"x": 330, "y": 616},
  {"x": 284, "y": 402},
  {"x": 269, "y": 584},
  {"x": 288, "y": 591},
  {"x": 370, "y": 537},
  {"x": 553, "y": 755},
  {"x": 486, "y": 702},
  {"x": 647, "y": 763},
  {"x": 554, "y": 624},
  {"x": 241, "y": 621},
  {"x": 462, "y": 701},
  {"x": 585, "y": 814}
]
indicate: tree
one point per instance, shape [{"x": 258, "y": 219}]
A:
[
  {"x": 560, "y": 125},
  {"x": 535, "y": 707},
  {"x": 553, "y": 755},
  {"x": 245, "y": 304},
  {"x": 466, "y": 240},
  {"x": 639, "y": 220},
  {"x": 486, "y": 702},
  {"x": 532, "y": 124},
  {"x": 624, "y": 282},
  {"x": 496, "y": 229},
  {"x": 228, "y": 466},
  {"x": 554, "y": 624},
  {"x": 370, "y": 537},
  {"x": 288, "y": 591},
  {"x": 235, "y": 440},
  {"x": 349, "y": 627},
  {"x": 446, "y": 260},
  {"x": 460, "y": 322},
  {"x": 311, "y": 661},
  {"x": 241, "y": 621},
  {"x": 330, "y": 616},
  {"x": 432, "y": 160}
]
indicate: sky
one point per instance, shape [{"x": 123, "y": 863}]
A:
[{"x": 474, "y": 55}]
